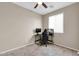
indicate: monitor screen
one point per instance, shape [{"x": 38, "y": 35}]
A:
[{"x": 38, "y": 30}]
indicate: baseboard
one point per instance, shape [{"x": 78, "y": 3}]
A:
[
  {"x": 67, "y": 47},
  {"x": 15, "y": 48}
]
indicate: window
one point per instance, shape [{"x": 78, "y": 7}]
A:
[{"x": 56, "y": 23}]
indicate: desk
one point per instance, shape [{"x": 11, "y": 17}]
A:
[{"x": 39, "y": 39}]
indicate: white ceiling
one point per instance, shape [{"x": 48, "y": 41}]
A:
[{"x": 52, "y": 6}]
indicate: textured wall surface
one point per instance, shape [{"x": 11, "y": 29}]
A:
[
  {"x": 16, "y": 26},
  {"x": 70, "y": 37}
]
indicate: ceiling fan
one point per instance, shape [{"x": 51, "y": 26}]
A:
[{"x": 41, "y": 3}]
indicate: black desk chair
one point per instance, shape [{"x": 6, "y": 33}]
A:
[{"x": 44, "y": 37}]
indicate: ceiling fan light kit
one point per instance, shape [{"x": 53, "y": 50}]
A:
[{"x": 41, "y": 3}]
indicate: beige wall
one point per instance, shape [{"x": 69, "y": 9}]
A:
[
  {"x": 70, "y": 37},
  {"x": 16, "y": 26}
]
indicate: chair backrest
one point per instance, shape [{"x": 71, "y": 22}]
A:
[{"x": 45, "y": 35}]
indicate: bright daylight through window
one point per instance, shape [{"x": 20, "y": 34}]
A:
[{"x": 56, "y": 23}]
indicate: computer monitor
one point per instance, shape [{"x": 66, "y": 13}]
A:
[{"x": 38, "y": 30}]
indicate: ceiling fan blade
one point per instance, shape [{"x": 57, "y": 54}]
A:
[
  {"x": 44, "y": 5},
  {"x": 36, "y": 5}
]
